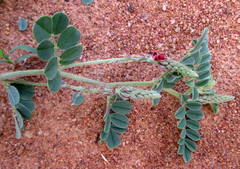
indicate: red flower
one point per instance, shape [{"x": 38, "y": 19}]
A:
[{"x": 160, "y": 57}]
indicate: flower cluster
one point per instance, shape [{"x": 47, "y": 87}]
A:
[{"x": 160, "y": 57}]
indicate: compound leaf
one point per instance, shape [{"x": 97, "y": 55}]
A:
[
  {"x": 122, "y": 107},
  {"x": 119, "y": 120},
  {"x": 113, "y": 139},
  {"x": 60, "y": 22},
  {"x": 184, "y": 98},
  {"x": 195, "y": 93},
  {"x": 26, "y": 91},
  {"x": 18, "y": 135},
  {"x": 182, "y": 124},
  {"x": 202, "y": 82},
  {"x": 193, "y": 134},
  {"x": 45, "y": 50},
  {"x": 25, "y": 107},
  {"x": 77, "y": 98},
  {"x": 22, "y": 24},
  {"x": 20, "y": 120},
  {"x": 87, "y": 2},
  {"x": 71, "y": 55},
  {"x": 203, "y": 66},
  {"x": 195, "y": 114},
  {"x": 203, "y": 74},
  {"x": 107, "y": 125},
  {"x": 51, "y": 68},
  {"x": 68, "y": 38},
  {"x": 215, "y": 107},
  {"x": 194, "y": 105},
  {"x": 187, "y": 155},
  {"x": 55, "y": 84},
  {"x": 180, "y": 113},
  {"x": 193, "y": 124},
  {"x": 13, "y": 96},
  {"x": 104, "y": 135},
  {"x": 181, "y": 149},
  {"x": 117, "y": 129},
  {"x": 42, "y": 28}
]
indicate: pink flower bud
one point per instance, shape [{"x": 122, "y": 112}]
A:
[{"x": 159, "y": 57}]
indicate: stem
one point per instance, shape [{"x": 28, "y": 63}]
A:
[
  {"x": 21, "y": 74},
  {"x": 173, "y": 92}
]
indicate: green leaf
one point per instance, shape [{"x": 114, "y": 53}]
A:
[
  {"x": 195, "y": 93},
  {"x": 104, "y": 135},
  {"x": 51, "y": 68},
  {"x": 196, "y": 56},
  {"x": 203, "y": 74},
  {"x": 195, "y": 114},
  {"x": 191, "y": 145},
  {"x": 60, "y": 22},
  {"x": 177, "y": 79},
  {"x": 45, "y": 50},
  {"x": 202, "y": 38},
  {"x": 215, "y": 107},
  {"x": 205, "y": 58},
  {"x": 187, "y": 155},
  {"x": 204, "y": 47},
  {"x": 194, "y": 105},
  {"x": 122, "y": 107},
  {"x": 68, "y": 38},
  {"x": 13, "y": 96},
  {"x": 203, "y": 66},
  {"x": 155, "y": 102},
  {"x": 202, "y": 82},
  {"x": 170, "y": 78},
  {"x": 184, "y": 98},
  {"x": 117, "y": 129},
  {"x": 3, "y": 61},
  {"x": 189, "y": 61},
  {"x": 159, "y": 86},
  {"x": 182, "y": 124},
  {"x": 71, "y": 55},
  {"x": 24, "y": 47},
  {"x": 180, "y": 114},
  {"x": 2, "y": 54},
  {"x": 20, "y": 120},
  {"x": 181, "y": 149},
  {"x": 107, "y": 125},
  {"x": 42, "y": 28},
  {"x": 87, "y": 2},
  {"x": 168, "y": 85},
  {"x": 183, "y": 133},
  {"x": 194, "y": 41},
  {"x": 77, "y": 98},
  {"x": 193, "y": 124},
  {"x": 190, "y": 82},
  {"x": 25, "y": 117},
  {"x": 22, "y": 24},
  {"x": 24, "y": 57},
  {"x": 26, "y": 107},
  {"x": 25, "y": 91},
  {"x": 55, "y": 84},
  {"x": 205, "y": 51},
  {"x": 18, "y": 135},
  {"x": 113, "y": 139},
  {"x": 119, "y": 120},
  {"x": 193, "y": 134},
  {"x": 181, "y": 141}
]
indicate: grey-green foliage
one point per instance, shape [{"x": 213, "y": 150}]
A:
[
  {"x": 22, "y": 24},
  {"x": 115, "y": 122},
  {"x": 20, "y": 97}
]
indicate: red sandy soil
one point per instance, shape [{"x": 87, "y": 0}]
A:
[{"x": 64, "y": 136}]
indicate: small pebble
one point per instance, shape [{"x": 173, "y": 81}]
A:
[
  {"x": 131, "y": 8},
  {"x": 66, "y": 0},
  {"x": 172, "y": 21},
  {"x": 177, "y": 29},
  {"x": 238, "y": 21},
  {"x": 164, "y": 7}
]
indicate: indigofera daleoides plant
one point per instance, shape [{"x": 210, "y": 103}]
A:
[{"x": 194, "y": 65}]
